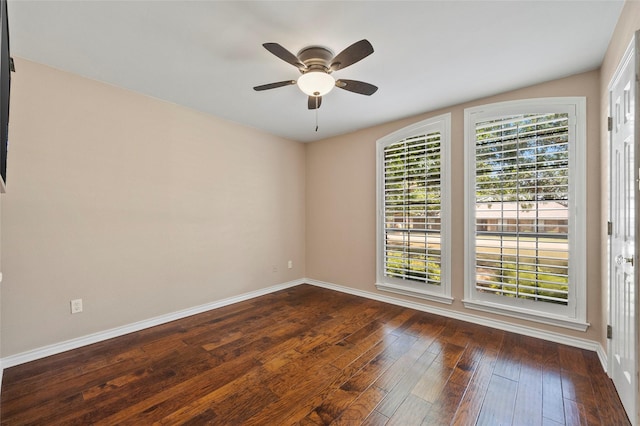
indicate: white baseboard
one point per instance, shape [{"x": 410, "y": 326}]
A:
[
  {"x": 57, "y": 348},
  {"x": 602, "y": 356},
  {"x": 577, "y": 342}
]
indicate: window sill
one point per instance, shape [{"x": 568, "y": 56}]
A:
[
  {"x": 527, "y": 314},
  {"x": 413, "y": 292}
]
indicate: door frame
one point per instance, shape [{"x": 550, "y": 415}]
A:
[{"x": 633, "y": 48}]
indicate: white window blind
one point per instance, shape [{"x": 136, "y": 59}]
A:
[
  {"x": 412, "y": 209},
  {"x": 522, "y": 207},
  {"x": 525, "y": 210},
  {"x": 413, "y": 221}
]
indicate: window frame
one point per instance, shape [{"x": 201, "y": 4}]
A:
[
  {"x": 572, "y": 315},
  {"x": 438, "y": 293}
]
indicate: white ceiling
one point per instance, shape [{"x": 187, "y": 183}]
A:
[{"x": 207, "y": 55}]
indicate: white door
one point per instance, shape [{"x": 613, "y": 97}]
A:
[{"x": 623, "y": 256}]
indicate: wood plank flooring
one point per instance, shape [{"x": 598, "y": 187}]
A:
[{"x": 311, "y": 356}]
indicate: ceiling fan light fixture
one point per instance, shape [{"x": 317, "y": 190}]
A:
[{"x": 316, "y": 83}]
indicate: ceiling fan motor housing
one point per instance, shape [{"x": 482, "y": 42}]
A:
[{"x": 316, "y": 58}]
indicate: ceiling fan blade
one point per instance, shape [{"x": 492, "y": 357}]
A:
[
  {"x": 285, "y": 55},
  {"x": 311, "y": 103},
  {"x": 356, "y": 86},
  {"x": 352, "y": 54},
  {"x": 274, "y": 85}
]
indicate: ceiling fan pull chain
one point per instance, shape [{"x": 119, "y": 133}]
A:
[{"x": 316, "y": 113}]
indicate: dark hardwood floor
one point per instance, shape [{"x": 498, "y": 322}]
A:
[{"x": 312, "y": 356}]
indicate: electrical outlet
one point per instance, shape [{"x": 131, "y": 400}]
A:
[
  {"x": 290, "y": 264},
  {"x": 76, "y": 306}
]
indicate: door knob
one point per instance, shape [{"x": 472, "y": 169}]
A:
[{"x": 620, "y": 259}]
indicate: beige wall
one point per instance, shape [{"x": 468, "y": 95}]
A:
[
  {"x": 341, "y": 204},
  {"x": 137, "y": 206}
]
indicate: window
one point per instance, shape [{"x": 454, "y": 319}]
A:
[
  {"x": 525, "y": 210},
  {"x": 413, "y": 210}
]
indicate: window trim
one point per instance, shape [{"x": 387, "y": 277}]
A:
[
  {"x": 572, "y": 316},
  {"x": 441, "y": 293}
]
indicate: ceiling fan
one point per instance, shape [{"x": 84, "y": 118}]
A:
[{"x": 316, "y": 63}]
